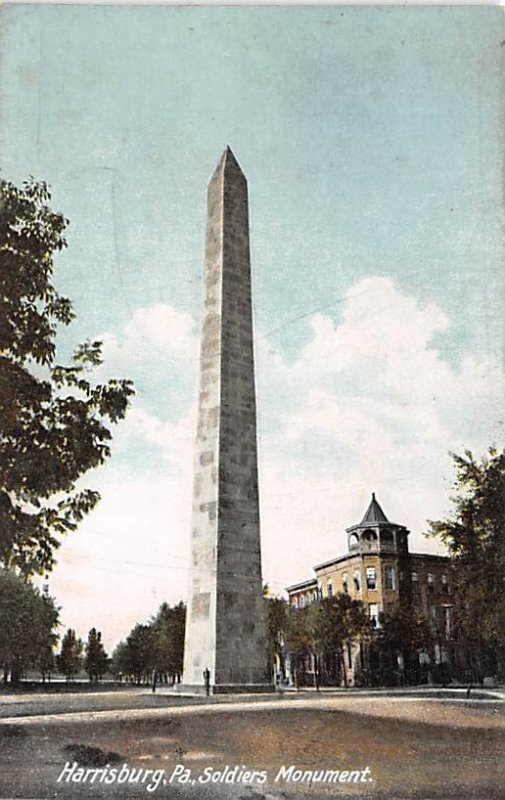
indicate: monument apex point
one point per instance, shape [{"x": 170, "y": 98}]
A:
[{"x": 227, "y": 160}]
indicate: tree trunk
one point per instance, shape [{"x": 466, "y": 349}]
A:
[
  {"x": 16, "y": 673},
  {"x": 344, "y": 669}
]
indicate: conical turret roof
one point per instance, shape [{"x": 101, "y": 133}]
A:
[{"x": 374, "y": 513}]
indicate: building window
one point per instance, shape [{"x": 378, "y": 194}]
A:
[
  {"x": 357, "y": 580},
  {"x": 390, "y": 579},
  {"x": 295, "y": 602},
  {"x": 433, "y": 618},
  {"x": 416, "y": 592},
  {"x": 448, "y": 621},
  {"x": 445, "y": 584},
  {"x": 329, "y": 587},
  {"x": 353, "y": 540},
  {"x": 371, "y": 578},
  {"x": 373, "y": 613},
  {"x": 431, "y": 582},
  {"x": 345, "y": 583}
]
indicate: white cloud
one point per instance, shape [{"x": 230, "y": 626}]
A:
[
  {"x": 173, "y": 440},
  {"x": 153, "y": 331},
  {"x": 376, "y": 400}
]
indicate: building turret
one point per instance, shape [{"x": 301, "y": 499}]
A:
[{"x": 376, "y": 534}]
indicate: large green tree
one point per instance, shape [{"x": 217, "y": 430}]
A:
[
  {"x": 403, "y": 634},
  {"x": 95, "y": 659},
  {"x": 323, "y": 629},
  {"x": 475, "y": 536},
  {"x": 70, "y": 657},
  {"x": 335, "y": 623},
  {"x": 136, "y": 657},
  {"x": 168, "y": 629},
  {"x": 157, "y": 645},
  {"x": 54, "y": 421},
  {"x": 27, "y": 627}
]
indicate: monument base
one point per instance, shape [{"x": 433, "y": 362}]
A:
[{"x": 227, "y": 688}]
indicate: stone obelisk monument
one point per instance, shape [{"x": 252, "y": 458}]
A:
[{"x": 225, "y": 632}]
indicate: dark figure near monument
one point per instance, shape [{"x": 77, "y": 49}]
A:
[
  {"x": 225, "y": 630},
  {"x": 206, "y": 680}
]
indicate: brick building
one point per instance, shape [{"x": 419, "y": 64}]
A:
[{"x": 380, "y": 571}]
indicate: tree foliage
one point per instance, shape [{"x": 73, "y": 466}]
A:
[
  {"x": 96, "y": 659},
  {"x": 70, "y": 657},
  {"x": 336, "y": 620},
  {"x": 322, "y": 629},
  {"x": 157, "y": 645},
  {"x": 168, "y": 628},
  {"x": 277, "y": 615},
  {"x": 27, "y": 626},
  {"x": 404, "y": 631},
  {"x": 403, "y": 634},
  {"x": 53, "y": 419},
  {"x": 475, "y": 537}
]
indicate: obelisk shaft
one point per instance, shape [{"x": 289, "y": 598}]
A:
[{"x": 225, "y": 625}]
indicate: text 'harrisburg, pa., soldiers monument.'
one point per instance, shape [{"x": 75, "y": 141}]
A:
[{"x": 225, "y": 631}]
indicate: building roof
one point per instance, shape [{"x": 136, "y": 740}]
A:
[
  {"x": 432, "y": 556},
  {"x": 312, "y": 582},
  {"x": 374, "y": 513},
  {"x": 335, "y": 560}
]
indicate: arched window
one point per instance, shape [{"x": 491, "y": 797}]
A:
[{"x": 353, "y": 540}]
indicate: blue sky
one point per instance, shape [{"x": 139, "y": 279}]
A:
[{"x": 370, "y": 139}]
